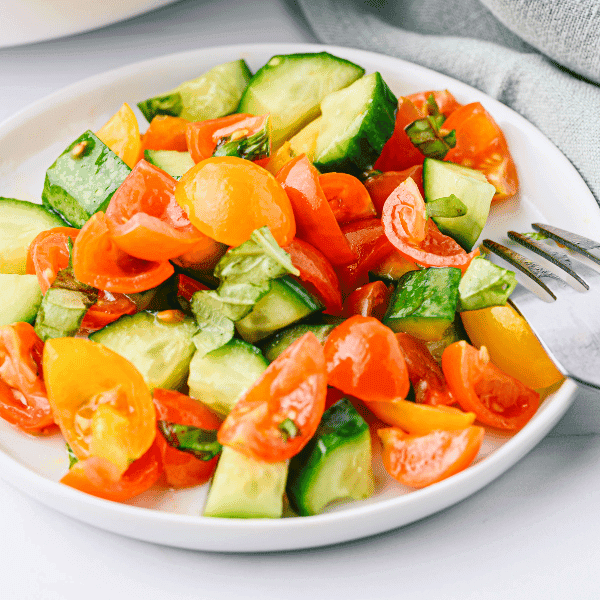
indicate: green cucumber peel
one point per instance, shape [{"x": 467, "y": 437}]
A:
[
  {"x": 201, "y": 443},
  {"x": 484, "y": 284},
  {"x": 448, "y": 207},
  {"x": 253, "y": 147}
]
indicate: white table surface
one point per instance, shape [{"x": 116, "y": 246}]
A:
[{"x": 533, "y": 533}]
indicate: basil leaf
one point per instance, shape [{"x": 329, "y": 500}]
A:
[{"x": 202, "y": 443}]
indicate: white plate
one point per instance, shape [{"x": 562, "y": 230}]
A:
[
  {"x": 551, "y": 191},
  {"x": 28, "y": 21}
]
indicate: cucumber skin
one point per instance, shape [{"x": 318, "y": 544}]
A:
[
  {"x": 377, "y": 127},
  {"x": 77, "y": 191},
  {"x": 284, "y": 338},
  {"x": 340, "y": 424}
]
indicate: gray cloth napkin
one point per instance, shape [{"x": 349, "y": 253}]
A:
[{"x": 532, "y": 55}]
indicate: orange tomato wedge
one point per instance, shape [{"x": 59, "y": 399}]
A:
[{"x": 121, "y": 133}]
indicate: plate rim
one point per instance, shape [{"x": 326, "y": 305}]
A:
[{"x": 458, "y": 487}]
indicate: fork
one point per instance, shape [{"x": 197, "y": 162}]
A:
[{"x": 568, "y": 324}]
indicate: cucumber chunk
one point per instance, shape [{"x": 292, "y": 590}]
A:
[
  {"x": 215, "y": 94},
  {"x": 357, "y": 122},
  {"x": 440, "y": 180},
  {"x": 172, "y": 162},
  {"x": 220, "y": 377},
  {"x": 161, "y": 351},
  {"x": 246, "y": 488},
  {"x": 424, "y": 302},
  {"x": 20, "y": 298},
  {"x": 334, "y": 465},
  {"x": 277, "y": 343},
  {"x": 285, "y": 303},
  {"x": 485, "y": 284},
  {"x": 291, "y": 87},
  {"x": 20, "y": 223},
  {"x": 61, "y": 313},
  {"x": 83, "y": 179}
]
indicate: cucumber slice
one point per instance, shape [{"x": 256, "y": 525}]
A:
[
  {"x": 171, "y": 161},
  {"x": 20, "y": 298},
  {"x": 424, "y": 303},
  {"x": 291, "y": 86},
  {"x": 220, "y": 377},
  {"x": 160, "y": 351},
  {"x": 334, "y": 465},
  {"x": 484, "y": 284},
  {"x": 285, "y": 303},
  {"x": 454, "y": 333},
  {"x": 440, "y": 179},
  {"x": 357, "y": 122},
  {"x": 20, "y": 222},
  {"x": 246, "y": 488},
  {"x": 83, "y": 179},
  {"x": 277, "y": 343},
  {"x": 215, "y": 94}
]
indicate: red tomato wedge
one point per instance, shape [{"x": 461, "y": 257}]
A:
[
  {"x": 98, "y": 261},
  {"x": 369, "y": 243},
  {"x": 99, "y": 477},
  {"x": 23, "y": 397},
  {"x": 49, "y": 253},
  {"x": 187, "y": 287},
  {"x": 420, "y": 460},
  {"x": 182, "y": 469},
  {"x": 364, "y": 360},
  {"x": 203, "y": 136},
  {"x": 107, "y": 309},
  {"x": 380, "y": 186},
  {"x": 424, "y": 372},
  {"x": 445, "y": 101},
  {"x": 399, "y": 152},
  {"x": 417, "y": 239},
  {"x": 315, "y": 221},
  {"x": 316, "y": 273},
  {"x": 166, "y": 133},
  {"x": 370, "y": 300},
  {"x": 497, "y": 399},
  {"x": 144, "y": 218},
  {"x": 347, "y": 196},
  {"x": 279, "y": 414},
  {"x": 481, "y": 145}
]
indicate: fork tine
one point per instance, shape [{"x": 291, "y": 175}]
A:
[
  {"x": 577, "y": 243},
  {"x": 556, "y": 257},
  {"x": 534, "y": 271}
]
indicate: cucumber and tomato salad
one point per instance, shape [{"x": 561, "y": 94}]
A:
[{"x": 264, "y": 278}]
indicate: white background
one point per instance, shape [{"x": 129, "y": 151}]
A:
[{"x": 533, "y": 533}]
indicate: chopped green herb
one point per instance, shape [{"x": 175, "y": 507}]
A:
[
  {"x": 288, "y": 429},
  {"x": 253, "y": 147},
  {"x": 72, "y": 458},
  {"x": 448, "y": 207},
  {"x": 202, "y": 443}
]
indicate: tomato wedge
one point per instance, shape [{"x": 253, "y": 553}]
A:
[
  {"x": 182, "y": 469},
  {"x": 347, "y": 196},
  {"x": 380, "y": 186},
  {"x": 317, "y": 274},
  {"x": 23, "y": 398},
  {"x": 279, "y": 414},
  {"x": 99, "y": 400},
  {"x": 187, "y": 287},
  {"x": 399, "y": 152},
  {"x": 417, "y": 239},
  {"x": 424, "y": 372},
  {"x": 121, "y": 133},
  {"x": 364, "y": 360},
  {"x": 48, "y": 253},
  {"x": 98, "y": 261},
  {"x": 497, "y": 399},
  {"x": 107, "y": 309},
  {"x": 420, "y": 460},
  {"x": 370, "y": 300},
  {"x": 481, "y": 145},
  {"x": 99, "y": 477},
  {"x": 204, "y": 136},
  {"x": 445, "y": 101},
  {"x": 166, "y": 133},
  {"x": 144, "y": 218},
  {"x": 315, "y": 221}
]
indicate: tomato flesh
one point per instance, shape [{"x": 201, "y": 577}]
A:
[
  {"x": 347, "y": 196},
  {"x": 380, "y": 186}
]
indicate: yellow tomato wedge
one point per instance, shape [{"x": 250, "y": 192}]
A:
[
  {"x": 512, "y": 345},
  {"x": 121, "y": 133},
  {"x": 420, "y": 419},
  {"x": 99, "y": 400}
]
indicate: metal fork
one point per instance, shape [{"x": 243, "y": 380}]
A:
[{"x": 568, "y": 323}]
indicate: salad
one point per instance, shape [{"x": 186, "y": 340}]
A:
[{"x": 279, "y": 277}]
